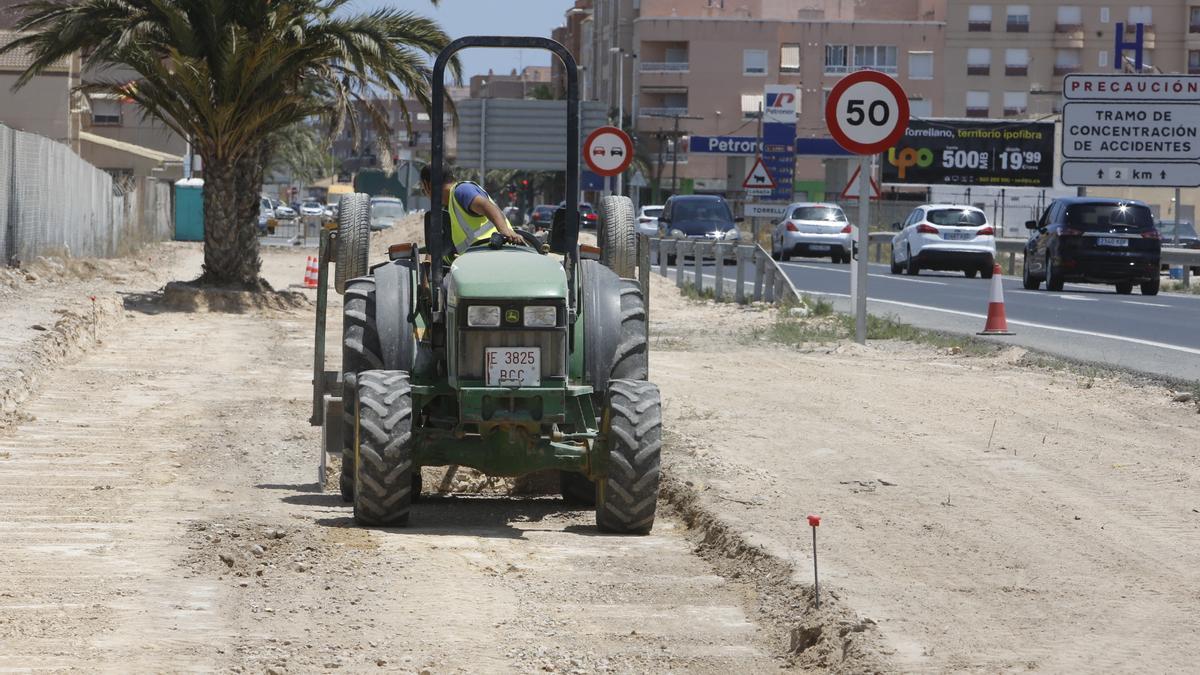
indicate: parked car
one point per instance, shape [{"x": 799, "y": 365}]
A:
[
  {"x": 266, "y": 217},
  {"x": 945, "y": 237},
  {"x": 542, "y": 217},
  {"x": 1168, "y": 229},
  {"x": 647, "y": 223},
  {"x": 283, "y": 211},
  {"x": 514, "y": 215},
  {"x": 814, "y": 230},
  {"x": 1094, "y": 240},
  {"x": 588, "y": 218},
  {"x": 385, "y": 211}
]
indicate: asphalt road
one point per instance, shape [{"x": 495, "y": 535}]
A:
[{"x": 1159, "y": 335}]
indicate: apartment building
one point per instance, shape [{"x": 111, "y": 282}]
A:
[
  {"x": 529, "y": 83},
  {"x": 1009, "y": 59}
]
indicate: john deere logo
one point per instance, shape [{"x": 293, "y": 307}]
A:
[{"x": 512, "y": 316}]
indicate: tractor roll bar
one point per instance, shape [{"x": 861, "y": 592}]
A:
[{"x": 571, "y": 242}]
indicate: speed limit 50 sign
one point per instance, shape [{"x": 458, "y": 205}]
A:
[{"x": 867, "y": 112}]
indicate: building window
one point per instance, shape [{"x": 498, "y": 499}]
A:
[
  {"x": 1067, "y": 61},
  {"x": 1142, "y": 14},
  {"x": 875, "y": 57},
  {"x": 1194, "y": 19},
  {"x": 1016, "y": 62},
  {"x": 106, "y": 112},
  {"x": 1193, "y": 61},
  {"x": 1018, "y": 19},
  {"x": 977, "y": 104},
  {"x": 754, "y": 62},
  {"x": 1015, "y": 103},
  {"x": 920, "y": 107},
  {"x": 1070, "y": 19},
  {"x": 789, "y": 59},
  {"x": 751, "y": 105},
  {"x": 1102, "y": 60},
  {"x": 979, "y": 61},
  {"x": 979, "y": 18},
  {"x": 1103, "y": 15},
  {"x": 836, "y": 59},
  {"x": 920, "y": 65}
]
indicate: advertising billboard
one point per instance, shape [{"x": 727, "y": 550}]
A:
[{"x": 996, "y": 153}]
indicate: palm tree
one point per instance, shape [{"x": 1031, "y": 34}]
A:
[{"x": 228, "y": 73}]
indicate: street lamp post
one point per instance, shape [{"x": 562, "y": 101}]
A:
[{"x": 621, "y": 56}]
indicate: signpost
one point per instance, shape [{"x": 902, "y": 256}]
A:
[
  {"x": 867, "y": 113},
  {"x": 608, "y": 151},
  {"x": 1131, "y": 131}
]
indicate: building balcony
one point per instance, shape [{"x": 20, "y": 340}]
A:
[
  {"x": 1193, "y": 70},
  {"x": 1060, "y": 70},
  {"x": 977, "y": 112},
  {"x": 1068, "y": 37},
  {"x": 1017, "y": 27},
  {"x": 1016, "y": 71},
  {"x": 979, "y": 26},
  {"x": 662, "y": 112},
  {"x": 1014, "y": 112},
  {"x": 664, "y": 66},
  {"x": 890, "y": 70},
  {"x": 1148, "y": 36},
  {"x": 985, "y": 69}
]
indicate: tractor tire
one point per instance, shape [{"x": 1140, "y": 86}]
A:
[
  {"x": 614, "y": 329},
  {"x": 353, "y": 240},
  {"x": 361, "y": 351},
  {"x": 618, "y": 236},
  {"x": 383, "y": 488},
  {"x": 627, "y": 493}
]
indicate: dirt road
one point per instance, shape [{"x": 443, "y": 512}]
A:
[
  {"x": 158, "y": 513},
  {"x": 987, "y": 515}
]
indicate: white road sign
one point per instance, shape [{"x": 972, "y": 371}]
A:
[
  {"x": 867, "y": 112},
  {"x": 765, "y": 210},
  {"x": 1131, "y": 174},
  {"x": 1156, "y": 131},
  {"x": 1117, "y": 87}
]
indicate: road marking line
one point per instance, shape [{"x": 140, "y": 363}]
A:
[
  {"x": 1145, "y": 304},
  {"x": 1076, "y": 298},
  {"x": 877, "y": 276},
  {"x": 1030, "y": 324}
]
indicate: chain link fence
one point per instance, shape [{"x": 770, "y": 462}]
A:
[{"x": 52, "y": 202}]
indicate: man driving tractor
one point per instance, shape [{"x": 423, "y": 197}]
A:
[{"x": 474, "y": 217}]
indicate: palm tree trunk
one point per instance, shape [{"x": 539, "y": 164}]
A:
[{"x": 230, "y": 221}]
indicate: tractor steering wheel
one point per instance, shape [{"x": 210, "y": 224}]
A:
[{"x": 530, "y": 238}]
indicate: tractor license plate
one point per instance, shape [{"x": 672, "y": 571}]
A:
[{"x": 513, "y": 366}]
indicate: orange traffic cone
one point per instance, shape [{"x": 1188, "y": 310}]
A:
[
  {"x": 997, "y": 324},
  {"x": 310, "y": 273}
]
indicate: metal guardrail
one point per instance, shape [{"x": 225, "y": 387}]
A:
[
  {"x": 1007, "y": 251},
  {"x": 755, "y": 276}
]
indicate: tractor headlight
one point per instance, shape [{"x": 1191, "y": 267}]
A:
[
  {"x": 482, "y": 316},
  {"x": 541, "y": 317}
]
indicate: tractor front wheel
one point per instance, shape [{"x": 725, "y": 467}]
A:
[
  {"x": 627, "y": 492},
  {"x": 360, "y": 351},
  {"x": 618, "y": 236},
  {"x": 383, "y": 489}
]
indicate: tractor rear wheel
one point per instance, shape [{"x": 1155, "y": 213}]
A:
[
  {"x": 383, "y": 489},
  {"x": 360, "y": 351},
  {"x": 618, "y": 236},
  {"x": 627, "y": 493},
  {"x": 353, "y": 239}
]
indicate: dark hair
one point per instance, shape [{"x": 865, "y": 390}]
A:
[{"x": 448, "y": 174}]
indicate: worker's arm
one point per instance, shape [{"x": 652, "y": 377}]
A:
[{"x": 486, "y": 207}]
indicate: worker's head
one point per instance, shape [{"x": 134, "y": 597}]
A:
[{"x": 427, "y": 178}]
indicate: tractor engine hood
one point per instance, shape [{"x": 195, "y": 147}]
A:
[{"x": 506, "y": 273}]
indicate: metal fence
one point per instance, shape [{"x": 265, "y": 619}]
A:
[
  {"x": 739, "y": 273},
  {"x": 52, "y": 202}
]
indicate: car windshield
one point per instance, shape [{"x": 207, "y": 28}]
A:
[
  {"x": 956, "y": 217},
  {"x": 1186, "y": 230},
  {"x": 652, "y": 213},
  {"x": 827, "y": 213},
  {"x": 1109, "y": 217},
  {"x": 545, "y": 211},
  {"x": 708, "y": 211},
  {"x": 310, "y": 205},
  {"x": 386, "y": 210}
]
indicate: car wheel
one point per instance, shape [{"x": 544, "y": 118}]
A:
[
  {"x": 1027, "y": 280},
  {"x": 1053, "y": 283},
  {"x": 784, "y": 254},
  {"x": 987, "y": 271},
  {"x": 970, "y": 272},
  {"x": 775, "y": 252},
  {"x": 1124, "y": 287},
  {"x": 1151, "y": 287},
  {"x": 896, "y": 269},
  {"x": 913, "y": 269}
]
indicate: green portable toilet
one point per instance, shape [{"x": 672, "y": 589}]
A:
[{"x": 189, "y": 209}]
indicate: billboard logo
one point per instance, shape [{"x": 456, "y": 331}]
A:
[
  {"x": 781, "y": 101},
  {"x": 908, "y": 157}
]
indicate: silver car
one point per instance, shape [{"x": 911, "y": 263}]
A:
[
  {"x": 647, "y": 223},
  {"x": 386, "y": 212},
  {"x": 815, "y": 230}
]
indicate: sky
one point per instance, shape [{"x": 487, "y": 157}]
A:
[{"x": 487, "y": 17}]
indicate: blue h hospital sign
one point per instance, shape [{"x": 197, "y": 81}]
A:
[{"x": 1137, "y": 46}]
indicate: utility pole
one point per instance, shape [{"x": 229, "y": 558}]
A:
[{"x": 675, "y": 135}]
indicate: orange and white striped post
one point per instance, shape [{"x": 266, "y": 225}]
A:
[{"x": 997, "y": 323}]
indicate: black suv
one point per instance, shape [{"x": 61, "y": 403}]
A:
[{"x": 1094, "y": 240}]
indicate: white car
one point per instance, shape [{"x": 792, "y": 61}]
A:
[
  {"x": 386, "y": 212},
  {"x": 647, "y": 223},
  {"x": 813, "y": 229},
  {"x": 283, "y": 211},
  {"x": 944, "y": 237}
]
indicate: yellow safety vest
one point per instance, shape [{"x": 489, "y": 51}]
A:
[{"x": 465, "y": 227}]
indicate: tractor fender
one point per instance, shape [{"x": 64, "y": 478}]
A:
[
  {"x": 601, "y": 321},
  {"x": 393, "y": 315}
]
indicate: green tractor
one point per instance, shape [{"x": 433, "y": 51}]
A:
[{"x": 511, "y": 360}]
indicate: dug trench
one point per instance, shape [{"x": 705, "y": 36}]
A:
[{"x": 160, "y": 513}]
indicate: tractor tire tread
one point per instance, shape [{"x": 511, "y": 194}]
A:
[
  {"x": 384, "y": 481},
  {"x": 618, "y": 236},
  {"x": 627, "y": 494}
]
